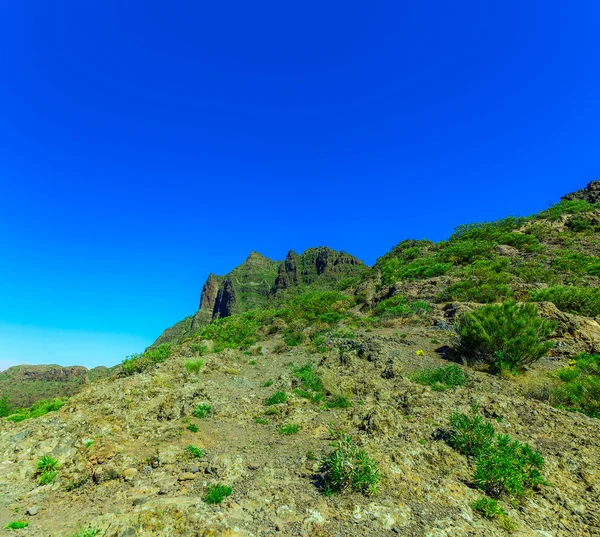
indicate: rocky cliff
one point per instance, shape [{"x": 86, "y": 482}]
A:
[{"x": 591, "y": 193}]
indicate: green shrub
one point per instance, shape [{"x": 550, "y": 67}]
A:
[
  {"x": 398, "y": 306},
  {"x": 198, "y": 348},
  {"x": 327, "y": 307},
  {"x": 579, "y": 388},
  {"x": 202, "y": 411},
  {"x": 77, "y": 483},
  {"x": 470, "y": 435},
  {"x": 215, "y": 494},
  {"x": 566, "y": 207},
  {"x": 312, "y": 385},
  {"x": 136, "y": 363},
  {"x": 441, "y": 378},
  {"x": 234, "y": 332},
  {"x": 39, "y": 408},
  {"x": 293, "y": 337},
  {"x": 91, "y": 532},
  {"x": 17, "y": 525},
  {"x": 289, "y": 429},
  {"x": 580, "y": 300},
  {"x": 46, "y": 464},
  {"x": 488, "y": 507},
  {"x": 276, "y": 398},
  {"x": 508, "y": 467},
  {"x": 565, "y": 261},
  {"x": 339, "y": 402},
  {"x": 194, "y": 366},
  {"x": 195, "y": 451},
  {"x": 47, "y": 477},
  {"x": 350, "y": 467},
  {"x": 505, "y": 336},
  {"x": 502, "y": 466},
  {"x": 192, "y": 427},
  {"x": 397, "y": 269},
  {"x": 6, "y": 409}
]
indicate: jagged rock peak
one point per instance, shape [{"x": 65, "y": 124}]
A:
[{"x": 591, "y": 193}]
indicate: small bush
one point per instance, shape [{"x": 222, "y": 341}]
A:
[
  {"x": 488, "y": 508},
  {"x": 192, "y": 427},
  {"x": 579, "y": 386},
  {"x": 505, "y": 336},
  {"x": 202, "y": 411},
  {"x": 91, "y": 532},
  {"x": 293, "y": 337},
  {"x": 194, "y": 366},
  {"x": 234, "y": 332},
  {"x": 136, "y": 363},
  {"x": 566, "y": 207},
  {"x": 39, "y": 408},
  {"x": 17, "y": 525},
  {"x": 350, "y": 467},
  {"x": 289, "y": 429},
  {"x": 339, "y": 402},
  {"x": 508, "y": 467},
  {"x": 77, "y": 483},
  {"x": 502, "y": 466},
  {"x": 312, "y": 385},
  {"x": 198, "y": 348},
  {"x": 46, "y": 464},
  {"x": 398, "y": 306},
  {"x": 441, "y": 378},
  {"x": 580, "y": 300},
  {"x": 195, "y": 451},
  {"x": 6, "y": 409},
  {"x": 215, "y": 494},
  {"x": 328, "y": 307},
  {"x": 47, "y": 477},
  {"x": 276, "y": 399},
  {"x": 470, "y": 435}
]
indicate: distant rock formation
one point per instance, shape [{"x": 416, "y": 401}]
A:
[{"x": 591, "y": 193}]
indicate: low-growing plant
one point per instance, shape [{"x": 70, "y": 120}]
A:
[
  {"x": 506, "y": 336},
  {"x": 503, "y": 466},
  {"x": 398, "y": 306},
  {"x": 39, "y": 408},
  {"x": 198, "y": 348},
  {"x": 136, "y": 363},
  {"x": 195, "y": 451},
  {"x": 508, "y": 467},
  {"x": 192, "y": 427},
  {"x": 312, "y": 385},
  {"x": 6, "y": 409},
  {"x": 441, "y": 378},
  {"x": 339, "y": 402},
  {"x": 579, "y": 386},
  {"x": 488, "y": 507},
  {"x": 46, "y": 464},
  {"x": 276, "y": 399},
  {"x": 194, "y": 366},
  {"x": 267, "y": 383},
  {"x": 572, "y": 299},
  {"x": 47, "y": 477},
  {"x": 216, "y": 493},
  {"x": 350, "y": 467},
  {"x": 289, "y": 429},
  {"x": 293, "y": 337},
  {"x": 470, "y": 435},
  {"x": 202, "y": 411},
  {"x": 16, "y": 525}
]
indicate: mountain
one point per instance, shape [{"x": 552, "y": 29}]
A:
[
  {"x": 260, "y": 281},
  {"x": 23, "y": 385},
  {"x": 452, "y": 389}
]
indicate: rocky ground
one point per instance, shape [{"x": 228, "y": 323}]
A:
[{"x": 124, "y": 468}]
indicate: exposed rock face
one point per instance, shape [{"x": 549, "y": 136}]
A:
[
  {"x": 314, "y": 264},
  {"x": 590, "y": 193},
  {"x": 226, "y": 300},
  {"x": 208, "y": 298}
]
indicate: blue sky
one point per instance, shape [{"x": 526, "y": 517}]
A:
[{"x": 146, "y": 144}]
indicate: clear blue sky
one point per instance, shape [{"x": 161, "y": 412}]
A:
[{"x": 144, "y": 144}]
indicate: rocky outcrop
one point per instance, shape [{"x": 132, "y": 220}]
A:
[
  {"x": 208, "y": 298},
  {"x": 226, "y": 300},
  {"x": 591, "y": 193},
  {"x": 315, "y": 264}
]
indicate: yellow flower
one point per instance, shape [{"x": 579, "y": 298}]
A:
[{"x": 420, "y": 353}]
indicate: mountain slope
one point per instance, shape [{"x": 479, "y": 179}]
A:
[{"x": 313, "y": 388}]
